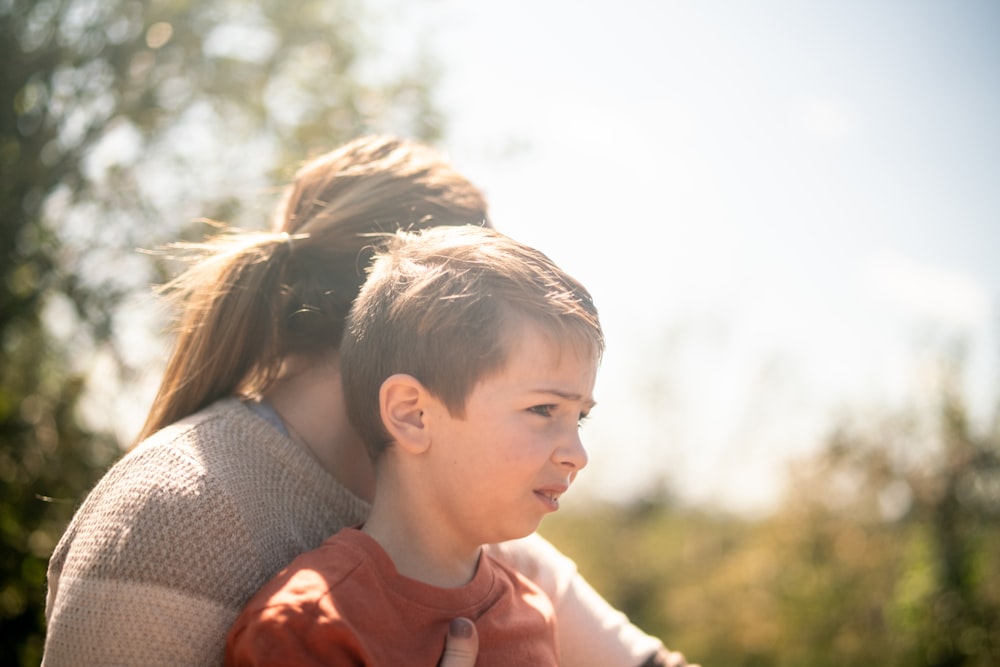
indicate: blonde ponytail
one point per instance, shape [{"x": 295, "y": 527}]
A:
[
  {"x": 248, "y": 300},
  {"x": 230, "y": 302}
]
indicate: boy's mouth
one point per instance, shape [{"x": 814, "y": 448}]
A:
[{"x": 551, "y": 495}]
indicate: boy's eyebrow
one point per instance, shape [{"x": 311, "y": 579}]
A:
[{"x": 569, "y": 396}]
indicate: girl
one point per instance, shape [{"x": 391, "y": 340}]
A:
[{"x": 247, "y": 459}]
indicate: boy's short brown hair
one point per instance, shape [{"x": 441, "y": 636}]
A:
[{"x": 438, "y": 305}]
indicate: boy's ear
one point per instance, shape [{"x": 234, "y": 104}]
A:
[{"x": 402, "y": 399}]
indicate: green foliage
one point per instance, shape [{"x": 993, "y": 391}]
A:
[
  {"x": 120, "y": 121},
  {"x": 886, "y": 552}
]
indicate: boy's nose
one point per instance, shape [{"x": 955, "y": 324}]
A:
[{"x": 572, "y": 453}]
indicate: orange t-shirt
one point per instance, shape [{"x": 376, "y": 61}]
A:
[{"x": 344, "y": 603}]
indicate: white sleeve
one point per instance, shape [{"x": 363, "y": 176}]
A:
[{"x": 591, "y": 632}]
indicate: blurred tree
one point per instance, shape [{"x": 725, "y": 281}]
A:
[
  {"x": 935, "y": 476},
  {"x": 885, "y": 552},
  {"x": 119, "y": 121}
]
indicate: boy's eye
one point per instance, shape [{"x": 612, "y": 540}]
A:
[
  {"x": 542, "y": 410},
  {"x": 548, "y": 410}
]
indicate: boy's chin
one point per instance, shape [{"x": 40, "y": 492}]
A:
[{"x": 517, "y": 534}]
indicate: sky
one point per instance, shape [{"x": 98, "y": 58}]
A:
[{"x": 783, "y": 209}]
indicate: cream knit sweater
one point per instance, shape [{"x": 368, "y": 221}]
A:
[{"x": 177, "y": 536}]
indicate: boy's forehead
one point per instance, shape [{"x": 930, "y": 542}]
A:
[
  {"x": 520, "y": 334},
  {"x": 536, "y": 354}
]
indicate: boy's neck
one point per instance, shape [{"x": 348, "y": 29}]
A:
[{"x": 418, "y": 546}]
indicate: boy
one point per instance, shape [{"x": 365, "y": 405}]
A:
[{"x": 468, "y": 362}]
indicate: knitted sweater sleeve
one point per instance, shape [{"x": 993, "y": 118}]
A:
[
  {"x": 591, "y": 632},
  {"x": 148, "y": 572}
]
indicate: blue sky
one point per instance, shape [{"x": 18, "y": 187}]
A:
[{"x": 781, "y": 207}]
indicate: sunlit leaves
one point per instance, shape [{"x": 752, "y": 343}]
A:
[
  {"x": 120, "y": 122},
  {"x": 886, "y": 552}
]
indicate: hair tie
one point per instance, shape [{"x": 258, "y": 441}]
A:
[{"x": 288, "y": 240}]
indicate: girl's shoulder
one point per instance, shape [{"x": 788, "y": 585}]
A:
[{"x": 165, "y": 512}]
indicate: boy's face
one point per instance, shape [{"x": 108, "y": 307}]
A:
[{"x": 502, "y": 467}]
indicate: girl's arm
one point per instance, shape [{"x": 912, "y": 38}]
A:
[{"x": 591, "y": 632}]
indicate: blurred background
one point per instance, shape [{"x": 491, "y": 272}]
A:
[{"x": 788, "y": 214}]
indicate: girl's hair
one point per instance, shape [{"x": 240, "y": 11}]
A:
[
  {"x": 250, "y": 299},
  {"x": 446, "y": 306}
]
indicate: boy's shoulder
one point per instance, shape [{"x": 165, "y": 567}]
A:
[
  {"x": 297, "y": 615},
  {"x": 315, "y": 573}
]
